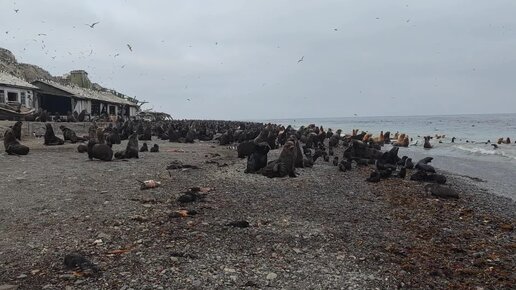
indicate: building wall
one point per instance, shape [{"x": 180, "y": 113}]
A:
[{"x": 23, "y": 96}]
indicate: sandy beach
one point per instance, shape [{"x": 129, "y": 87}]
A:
[{"x": 324, "y": 229}]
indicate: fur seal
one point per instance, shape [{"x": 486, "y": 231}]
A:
[
  {"x": 438, "y": 190},
  {"x": 50, "y": 137},
  {"x": 374, "y": 177},
  {"x": 131, "y": 151},
  {"x": 17, "y": 130},
  {"x": 258, "y": 159},
  {"x": 427, "y": 144},
  {"x": 82, "y": 148},
  {"x": 144, "y": 148},
  {"x": 344, "y": 165},
  {"x": 99, "y": 151},
  {"x": 154, "y": 148},
  {"x": 409, "y": 164},
  {"x": 69, "y": 134},
  {"x": 12, "y": 145},
  {"x": 285, "y": 164},
  {"x": 423, "y": 165}
]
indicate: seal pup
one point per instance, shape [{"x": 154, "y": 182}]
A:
[
  {"x": 409, "y": 164},
  {"x": 50, "y": 137},
  {"x": 438, "y": 190},
  {"x": 144, "y": 148},
  {"x": 99, "y": 151},
  {"x": 12, "y": 145},
  {"x": 154, "y": 148},
  {"x": 82, "y": 148}
]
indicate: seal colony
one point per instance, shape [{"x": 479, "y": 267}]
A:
[{"x": 272, "y": 211}]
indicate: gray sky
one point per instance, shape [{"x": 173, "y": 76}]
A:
[{"x": 238, "y": 59}]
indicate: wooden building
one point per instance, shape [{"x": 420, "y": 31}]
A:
[{"x": 60, "y": 99}]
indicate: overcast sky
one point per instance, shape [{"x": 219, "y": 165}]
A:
[{"x": 239, "y": 59}]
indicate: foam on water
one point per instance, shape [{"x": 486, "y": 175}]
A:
[{"x": 507, "y": 153}]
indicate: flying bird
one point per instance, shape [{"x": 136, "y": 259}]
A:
[
  {"x": 117, "y": 54},
  {"x": 123, "y": 66},
  {"x": 188, "y": 100},
  {"x": 92, "y": 25},
  {"x": 130, "y": 47},
  {"x": 336, "y": 29},
  {"x": 42, "y": 34},
  {"x": 16, "y": 10},
  {"x": 216, "y": 43},
  {"x": 301, "y": 59}
]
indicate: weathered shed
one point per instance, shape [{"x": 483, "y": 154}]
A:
[{"x": 60, "y": 98}]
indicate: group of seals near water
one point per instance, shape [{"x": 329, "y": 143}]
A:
[{"x": 300, "y": 148}]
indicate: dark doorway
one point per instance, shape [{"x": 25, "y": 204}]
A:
[{"x": 56, "y": 104}]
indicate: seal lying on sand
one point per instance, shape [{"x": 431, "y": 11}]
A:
[
  {"x": 99, "y": 151},
  {"x": 13, "y": 146},
  {"x": 50, "y": 137},
  {"x": 69, "y": 134}
]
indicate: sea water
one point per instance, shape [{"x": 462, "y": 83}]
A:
[{"x": 470, "y": 155}]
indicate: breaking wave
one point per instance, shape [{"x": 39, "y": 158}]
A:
[{"x": 483, "y": 151}]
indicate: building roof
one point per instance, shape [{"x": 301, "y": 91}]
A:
[
  {"x": 83, "y": 93},
  {"x": 10, "y": 80}
]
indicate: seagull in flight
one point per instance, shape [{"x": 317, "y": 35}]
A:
[
  {"x": 301, "y": 59},
  {"x": 42, "y": 34},
  {"x": 188, "y": 100},
  {"x": 117, "y": 54},
  {"x": 130, "y": 47},
  {"x": 93, "y": 24},
  {"x": 16, "y": 10},
  {"x": 336, "y": 29}
]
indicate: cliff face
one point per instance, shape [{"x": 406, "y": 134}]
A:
[{"x": 29, "y": 72}]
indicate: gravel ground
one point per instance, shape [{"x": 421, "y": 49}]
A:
[{"x": 324, "y": 229}]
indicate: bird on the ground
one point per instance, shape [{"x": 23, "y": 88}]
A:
[
  {"x": 130, "y": 47},
  {"x": 301, "y": 59},
  {"x": 92, "y": 25}
]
